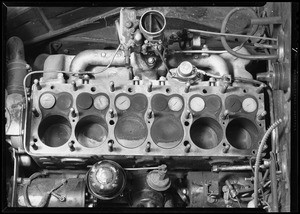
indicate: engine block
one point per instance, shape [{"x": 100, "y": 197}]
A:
[
  {"x": 122, "y": 118},
  {"x": 150, "y": 110}
]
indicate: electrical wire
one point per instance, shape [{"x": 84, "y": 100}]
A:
[
  {"x": 260, "y": 149},
  {"x": 243, "y": 56}
]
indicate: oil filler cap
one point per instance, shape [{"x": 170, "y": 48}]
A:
[{"x": 106, "y": 180}]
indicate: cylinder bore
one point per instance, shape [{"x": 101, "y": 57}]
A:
[
  {"x": 206, "y": 133},
  {"x": 54, "y": 131},
  {"x": 91, "y": 131},
  {"x": 241, "y": 132},
  {"x": 152, "y": 24},
  {"x": 167, "y": 132},
  {"x": 131, "y": 131}
]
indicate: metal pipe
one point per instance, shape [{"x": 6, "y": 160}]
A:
[
  {"x": 96, "y": 57},
  {"x": 216, "y": 63},
  {"x": 273, "y": 183},
  {"x": 266, "y": 20},
  {"x": 16, "y": 66},
  {"x": 231, "y": 168}
]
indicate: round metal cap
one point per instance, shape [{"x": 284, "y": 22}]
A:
[
  {"x": 47, "y": 100},
  {"x": 106, "y": 180},
  {"x": 185, "y": 69}
]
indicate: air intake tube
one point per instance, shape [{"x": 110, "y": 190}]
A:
[
  {"x": 16, "y": 65},
  {"x": 152, "y": 25}
]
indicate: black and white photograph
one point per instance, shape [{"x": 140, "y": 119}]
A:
[{"x": 150, "y": 107}]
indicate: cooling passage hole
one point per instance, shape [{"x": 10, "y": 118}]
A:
[
  {"x": 129, "y": 90},
  {"x": 111, "y": 122},
  {"x": 52, "y": 86},
  {"x": 54, "y": 131},
  {"x": 206, "y": 133},
  {"x": 186, "y": 123},
  {"x": 259, "y": 98},
  {"x": 168, "y": 90},
  {"x": 93, "y": 89},
  {"x": 73, "y": 121},
  {"x": 91, "y": 131},
  {"x": 241, "y": 132},
  {"x": 260, "y": 124},
  {"x": 224, "y": 144},
  {"x": 35, "y": 140},
  {"x": 204, "y": 91},
  {"x": 245, "y": 91},
  {"x": 253, "y": 152}
]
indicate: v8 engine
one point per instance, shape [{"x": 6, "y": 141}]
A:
[{"x": 162, "y": 118}]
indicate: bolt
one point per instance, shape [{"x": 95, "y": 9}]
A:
[
  {"x": 151, "y": 60},
  {"x": 37, "y": 84},
  {"x": 212, "y": 81},
  {"x": 128, "y": 24},
  {"x": 149, "y": 89},
  {"x": 73, "y": 113},
  {"x": 35, "y": 112},
  {"x": 112, "y": 86},
  {"x": 74, "y": 86},
  {"x": 149, "y": 113},
  {"x": 260, "y": 88},
  {"x": 225, "y": 114},
  {"x": 111, "y": 113},
  {"x": 71, "y": 146},
  {"x": 224, "y": 88},
  {"x": 187, "y": 87},
  {"x": 148, "y": 147},
  {"x": 226, "y": 148},
  {"x": 162, "y": 80},
  {"x": 188, "y": 114},
  {"x": 262, "y": 115},
  {"x": 110, "y": 146},
  {"x": 187, "y": 148},
  {"x": 86, "y": 79},
  {"x": 136, "y": 80},
  {"x": 33, "y": 145}
]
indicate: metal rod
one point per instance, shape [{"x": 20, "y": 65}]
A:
[
  {"x": 266, "y": 20},
  {"x": 229, "y": 34}
]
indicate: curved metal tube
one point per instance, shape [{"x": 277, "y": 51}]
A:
[
  {"x": 216, "y": 63},
  {"x": 96, "y": 57},
  {"x": 16, "y": 65}
]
